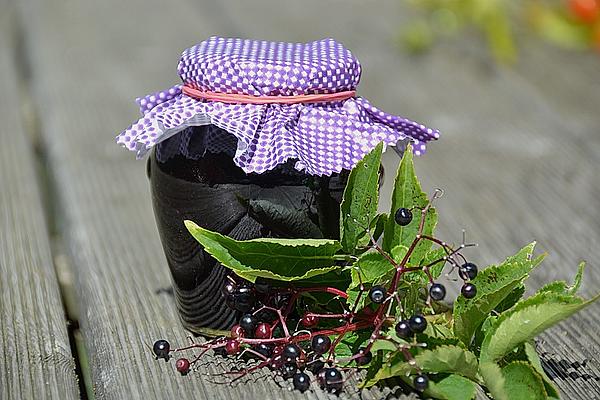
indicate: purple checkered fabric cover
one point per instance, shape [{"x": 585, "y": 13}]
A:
[{"x": 323, "y": 138}]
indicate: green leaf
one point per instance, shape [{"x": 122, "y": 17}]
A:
[
  {"x": 525, "y": 254},
  {"x": 493, "y": 284},
  {"x": 562, "y": 287},
  {"x": 452, "y": 387},
  {"x": 442, "y": 359},
  {"x": 527, "y": 319},
  {"x": 372, "y": 268},
  {"x": 577, "y": 281},
  {"x": 437, "y": 333},
  {"x": 369, "y": 268},
  {"x": 374, "y": 367},
  {"x": 420, "y": 277},
  {"x": 384, "y": 346},
  {"x": 494, "y": 380},
  {"x": 510, "y": 300},
  {"x": 337, "y": 278},
  {"x": 350, "y": 344},
  {"x": 376, "y": 226},
  {"x": 452, "y": 359},
  {"x": 279, "y": 259},
  {"x": 282, "y": 220},
  {"x": 432, "y": 256},
  {"x": 534, "y": 360},
  {"x": 359, "y": 204},
  {"x": 522, "y": 382},
  {"x": 481, "y": 331},
  {"x": 408, "y": 193},
  {"x": 558, "y": 287}
]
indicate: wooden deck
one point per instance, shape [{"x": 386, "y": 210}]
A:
[{"x": 82, "y": 274}]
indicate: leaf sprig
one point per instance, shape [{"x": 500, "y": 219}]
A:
[{"x": 378, "y": 275}]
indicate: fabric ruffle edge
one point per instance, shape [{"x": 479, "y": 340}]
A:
[{"x": 324, "y": 138}]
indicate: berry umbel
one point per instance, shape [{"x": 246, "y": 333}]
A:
[{"x": 290, "y": 329}]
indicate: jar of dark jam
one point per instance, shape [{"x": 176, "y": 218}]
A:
[{"x": 213, "y": 192}]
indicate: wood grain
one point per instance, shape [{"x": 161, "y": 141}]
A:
[
  {"x": 35, "y": 357},
  {"x": 514, "y": 166}
]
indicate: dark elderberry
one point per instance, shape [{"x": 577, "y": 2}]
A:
[
  {"x": 288, "y": 370},
  {"x": 417, "y": 323},
  {"x": 264, "y": 349},
  {"x": 421, "y": 382},
  {"x": 281, "y": 300},
  {"x": 161, "y": 349},
  {"x": 321, "y": 377},
  {"x": 468, "y": 271},
  {"x": 403, "y": 216},
  {"x": 183, "y": 366},
  {"x": 230, "y": 300},
  {"x": 365, "y": 357},
  {"x": 437, "y": 291},
  {"x": 291, "y": 352},
  {"x": 228, "y": 288},
  {"x": 266, "y": 315},
  {"x": 403, "y": 330},
  {"x": 244, "y": 299},
  {"x": 468, "y": 290},
  {"x": 261, "y": 287},
  {"x": 248, "y": 323},
  {"x": 263, "y": 331},
  {"x": 333, "y": 380},
  {"x": 377, "y": 294},
  {"x": 301, "y": 382},
  {"x": 315, "y": 364},
  {"x": 320, "y": 344}
]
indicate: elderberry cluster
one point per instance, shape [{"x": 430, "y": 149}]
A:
[
  {"x": 467, "y": 271},
  {"x": 302, "y": 348}
]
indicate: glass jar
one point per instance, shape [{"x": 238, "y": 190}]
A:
[{"x": 213, "y": 192}]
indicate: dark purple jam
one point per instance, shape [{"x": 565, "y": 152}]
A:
[{"x": 216, "y": 194}]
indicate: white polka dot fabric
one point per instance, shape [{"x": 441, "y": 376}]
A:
[{"x": 323, "y": 138}]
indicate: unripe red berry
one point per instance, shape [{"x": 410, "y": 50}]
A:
[
  {"x": 183, "y": 365},
  {"x": 263, "y": 331},
  {"x": 309, "y": 321},
  {"x": 237, "y": 332}
]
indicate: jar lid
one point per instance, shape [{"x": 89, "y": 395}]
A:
[{"x": 279, "y": 101}]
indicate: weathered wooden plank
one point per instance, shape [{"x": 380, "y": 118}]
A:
[
  {"x": 509, "y": 174},
  {"x": 35, "y": 357}
]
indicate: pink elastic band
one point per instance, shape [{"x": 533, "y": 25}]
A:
[{"x": 248, "y": 99}]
